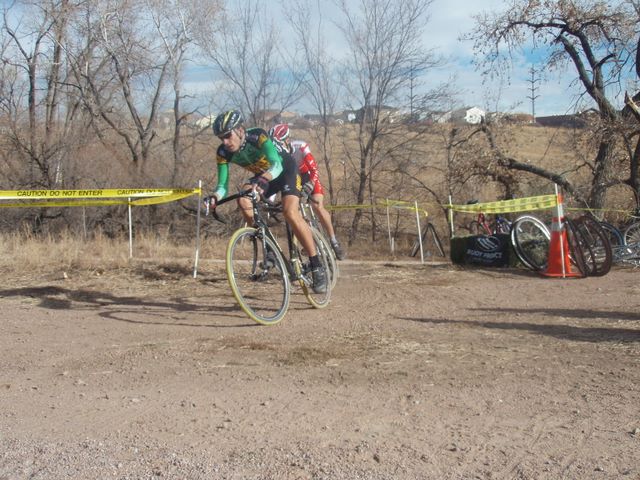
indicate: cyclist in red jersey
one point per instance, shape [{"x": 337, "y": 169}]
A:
[{"x": 308, "y": 168}]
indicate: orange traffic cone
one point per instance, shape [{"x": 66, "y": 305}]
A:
[{"x": 559, "y": 262}]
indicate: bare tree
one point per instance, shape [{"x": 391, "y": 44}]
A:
[
  {"x": 597, "y": 40},
  {"x": 320, "y": 77},
  {"x": 176, "y": 22},
  {"x": 128, "y": 61},
  {"x": 384, "y": 39},
  {"x": 33, "y": 76},
  {"x": 255, "y": 75}
]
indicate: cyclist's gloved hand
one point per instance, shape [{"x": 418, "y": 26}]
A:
[
  {"x": 261, "y": 183},
  {"x": 307, "y": 188},
  {"x": 209, "y": 203}
]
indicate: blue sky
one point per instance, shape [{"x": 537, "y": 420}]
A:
[
  {"x": 452, "y": 18},
  {"x": 449, "y": 20},
  {"x": 556, "y": 95}
]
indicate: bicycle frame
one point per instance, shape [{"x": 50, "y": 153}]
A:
[
  {"x": 482, "y": 221},
  {"x": 260, "y": 224}
]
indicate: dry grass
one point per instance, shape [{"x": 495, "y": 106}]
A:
[
  {"x": 67, "y": 252},
  {"x": 22, "y": 253}
]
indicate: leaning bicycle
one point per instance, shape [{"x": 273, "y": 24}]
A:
[
  {"x": 482, "y": 226},
  {"x": 531, "y": 239},
  {"x": 261, "y": 275}
]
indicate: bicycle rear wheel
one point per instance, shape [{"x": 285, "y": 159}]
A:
[
  {"x": 261, "y": 287},
  {"x": 327, "y": 251},
  {"x": 476, "y": 228},
  {"x": 315, "y": 299},
  {"x": 530, "y": 238}
]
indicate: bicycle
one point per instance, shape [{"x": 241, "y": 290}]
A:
[
  {"x": 481, "y": 225},
  {"x": 626, "y": 254},
  {"x": 625, "y": 234},
  {"x": 530, "y": 238},
  {"x": 429, "y": 231},
  {"x": 260, "y": 274}
]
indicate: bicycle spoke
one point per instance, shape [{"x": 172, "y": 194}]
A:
[{"x": 632, "y": 234}]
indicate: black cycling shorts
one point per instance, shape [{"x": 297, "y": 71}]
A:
[{"x": 288, "y": 182}]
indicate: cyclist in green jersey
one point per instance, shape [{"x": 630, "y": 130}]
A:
[{"x": 273, "y": 172}]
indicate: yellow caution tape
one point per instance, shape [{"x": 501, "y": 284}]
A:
[
  {"x": 348, "y": 207},
  {"x": 541, "y": 202},
  {"x": 403, "y": 205},
  {"x": 94, "y": 197},
  {"x": 400, "y": 204}
]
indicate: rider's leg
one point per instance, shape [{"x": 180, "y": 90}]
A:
[
  {"x": 322, "y": 213},
  {"x": 291, "y": 212},
  {"x": 245, "y": 206},
  {"x": 325, "y": 220}
]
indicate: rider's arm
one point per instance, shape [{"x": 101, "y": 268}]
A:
[
  {"x": 223, "y": 177},
  {"x": 273, "y": 157},
  {"x": 311, "y": 167}
]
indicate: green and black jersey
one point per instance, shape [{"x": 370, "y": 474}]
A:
[{"x": 257, "y": 155}]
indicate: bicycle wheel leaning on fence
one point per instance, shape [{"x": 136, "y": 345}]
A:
[
  {"x": 632, "y": 234},
  {"x": 530, "y": 238},
  {"x": 595, "y": 244},
  {"x": 575, "y": 242},
  {"x": 429, "y": 235}
]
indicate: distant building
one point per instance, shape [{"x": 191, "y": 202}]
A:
[
  {"x": 567, "y": 121},
  {"x": 385, "y": 114},
  {"x": 474, "y": 115},
  {"x": 467, "y": 115},
  {"x": 204, "y": 122},
  {"x": 272, "y": 117}
]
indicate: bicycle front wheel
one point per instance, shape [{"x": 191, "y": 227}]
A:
[
  {"x": 576, "y": 241},
  {"x": 530, "y": 238},
  {"x": 259, "y": 284}
]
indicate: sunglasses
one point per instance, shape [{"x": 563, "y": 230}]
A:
[{"x": 226, "y": 136}]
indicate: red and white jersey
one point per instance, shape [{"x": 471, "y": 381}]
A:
[{"x": 301, "y": 153}]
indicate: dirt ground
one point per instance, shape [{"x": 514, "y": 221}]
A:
[{"x": 413, "y": 372}]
